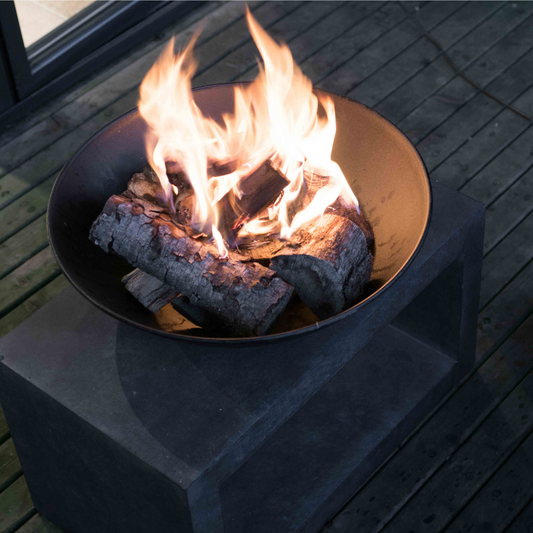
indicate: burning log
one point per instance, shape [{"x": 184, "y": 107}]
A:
[
  {"x": 327, "y": 262},
  {"x": 315, "y": 180},
  {"x": 146, "y": 185},
  {"x": 151, "y": 292},
  {"x": 258, "y": 191},
  {"x": 246, "y": 296}
]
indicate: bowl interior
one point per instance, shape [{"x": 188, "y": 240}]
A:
[{"x": 381, "y": 165}]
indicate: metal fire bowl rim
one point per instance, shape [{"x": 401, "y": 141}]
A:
[{"x": 239, "y": 340}]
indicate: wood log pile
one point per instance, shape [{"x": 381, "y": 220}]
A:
[{"x": 326, "y": 262}]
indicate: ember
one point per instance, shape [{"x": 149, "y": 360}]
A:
[{"x": 231, "y": 218}]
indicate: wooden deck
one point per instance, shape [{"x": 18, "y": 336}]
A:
[{"x": 469, "y": 466}]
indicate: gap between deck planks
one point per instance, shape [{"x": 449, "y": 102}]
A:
[{"x": 521, "y": 276}]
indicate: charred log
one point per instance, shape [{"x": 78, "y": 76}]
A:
[
  {"x": 327, "y": 262},
  {"x": 246, "y": 296},
  {"x": 258, "y": 191},
  {"x": 221, "y": 168},
  {"x": 149, "y": 291}
]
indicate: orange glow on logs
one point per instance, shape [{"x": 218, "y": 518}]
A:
[{"x": 276, "y": 116}]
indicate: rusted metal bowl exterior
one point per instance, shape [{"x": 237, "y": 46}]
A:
[{"x": 382, "y": 166}]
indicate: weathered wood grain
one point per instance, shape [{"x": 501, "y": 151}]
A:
[
  {"x": 39, "y": 524},
  {"x": 472, "y": 116},
  {"x": 23, "y": 245},
  {"x": 494, "y": 508},
  {"x": 15, "y": 506},
  {"x": 349, "y": 43},
  {"x": 448, "y": 99},
  {"x": 219, "y": 47},
  {"x": 50, "y": 160},
  {"x": 4, "y": 430},
  {"x": 505, "y": 213},
  {"x": 29, "y": 306},
  {"x": 328, "y": 29},
  {"x": 471, "y": 466},
  {"x": 25, "y": 209},
  {"x": 476, "y": 153},
  {"x": 421, "y": 53},
  {"x": 522, "y": 523},
  {"x": 286, "y": 29},
  {"x": 380, "y": 52},
  {"x": 505, "y": 261},
  {"x": 428, "y": 449},
  {"x": 508, "y": 167},
  {"x": 405, "y": 98},
  {"x": 505, "y": 313},
  {"x": 27, "y": 279},
  {"x": 9, "y": 464}
]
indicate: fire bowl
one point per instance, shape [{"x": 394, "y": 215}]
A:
[{"x": 381, "y": 165}]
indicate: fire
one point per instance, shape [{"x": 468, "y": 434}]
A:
[{"x": 277, "y": 116}]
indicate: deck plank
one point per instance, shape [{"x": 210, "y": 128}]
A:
[
  {"x": 41, "y": 297},
  {"x": 27, "y": 279},
  {"x": 472, "y": 465},
  {"x": 25, "y": 209},
  {"x": 508, "y": 211},
  {"x": 326, "y": 31},
  {"x": 50, "y": 160},
  {"x": 351, "y": 42},
  {"x": 506, "y": 260},
  {"x": 385, "y": 49},
  {"x": 473, "y": 113},
  {"x": 505, "y": 313},
  {"x": 428, "y": 449},
  {"x": 505, "y": 169},
  {"x": 39, "y": 524},
  {"x": 486, "y": 145},
  {"x": 422, "y": 53},
  {"x": 452, "y": 96},
  {"x": 23, "y": 245},
  {"x": 4, "y": 430},
  {"x": 16, "y": 506},
  {"x": 494, "y": 508},
  {"x": 408, "y": 96},
  {"x": 10, "y": 468},
  {"x": 243, "y": 58}
]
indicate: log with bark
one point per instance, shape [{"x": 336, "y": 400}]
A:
[
  {"x": 327, "y": 261},
  {"x": 247, "y": 296},
  {"x": 154, "y": 295}
]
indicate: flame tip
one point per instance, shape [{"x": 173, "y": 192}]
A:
[{"x": 276, "y": 117}]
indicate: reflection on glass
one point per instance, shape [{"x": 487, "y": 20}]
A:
[{"x": 39, "y": 17}]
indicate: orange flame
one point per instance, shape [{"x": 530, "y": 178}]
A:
[{"x": 277, "y": 113}]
